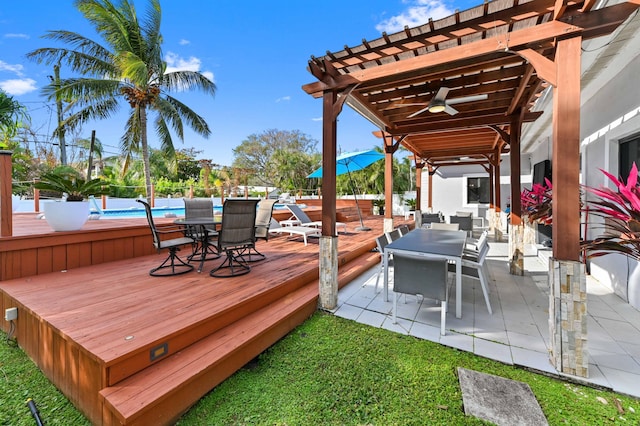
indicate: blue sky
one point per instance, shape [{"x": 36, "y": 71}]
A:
[{"x": 255, "y": 51}]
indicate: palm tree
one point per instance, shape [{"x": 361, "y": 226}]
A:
[
  {"x": 129, "y": 66},
  {"x": 11, "y": 114}
]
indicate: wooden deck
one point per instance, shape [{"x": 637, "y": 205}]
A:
[{"x": 128, "y": 348}]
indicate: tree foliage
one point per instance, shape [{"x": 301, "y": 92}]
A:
[{"x": 278, "y": 158}]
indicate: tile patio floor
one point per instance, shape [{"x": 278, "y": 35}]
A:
[{"x": 518, "y": 331}]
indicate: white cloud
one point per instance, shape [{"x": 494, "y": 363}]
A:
[
  {"x": 176, "y": 63},
  {"x": 18, "y": 87},
  {"x": 14, "y": 68},
  {"x": 183, "y": 42},
  {"x": 317, "y": 119},
  {"x": 283, "y": 99},
  {"x": 417, "y": 13},
  {"x": 11, "y": 35}
]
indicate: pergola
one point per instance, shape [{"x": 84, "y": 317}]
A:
[{"x": 495, "y": 59}]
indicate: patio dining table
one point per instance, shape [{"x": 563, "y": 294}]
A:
[
  {"x": 205, "y": 224},
  {"x": 435, "y": 244}
]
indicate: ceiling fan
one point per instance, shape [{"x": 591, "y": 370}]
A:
[{"x": 439, "y": 103}]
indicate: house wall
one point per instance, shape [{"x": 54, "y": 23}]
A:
[
  {"x": 449, "y": 187},
  {"x": 602, "y": 130}
]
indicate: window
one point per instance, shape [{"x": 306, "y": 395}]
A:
[
  {"x": 629, "y": 154},
  {"x": 478, "y": 189}
]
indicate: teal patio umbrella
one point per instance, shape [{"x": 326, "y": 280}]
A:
[{"x": 352, "y": 162}]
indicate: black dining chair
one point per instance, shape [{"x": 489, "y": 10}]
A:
[
  {"x": 173, "y": 264},
  {"x": 237, "y": 235}
]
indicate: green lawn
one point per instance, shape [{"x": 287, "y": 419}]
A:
[{"x": 338, "y": 372}]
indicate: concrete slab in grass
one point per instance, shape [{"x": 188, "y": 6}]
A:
[{"x": 499, "y": 400}]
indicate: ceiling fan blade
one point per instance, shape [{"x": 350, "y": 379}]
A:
[
  {"x": 441, "y": 94},
  {"x": 419, "y": 112},
  {"x": 463, "y": 99},
  {"x": 450, "y": 110}
]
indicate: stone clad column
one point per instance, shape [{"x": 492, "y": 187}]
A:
[
  {"x": 568, "y": 317},
  {"x": 328, "y": 271}
]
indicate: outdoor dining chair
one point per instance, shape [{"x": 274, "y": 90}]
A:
[
  {"x": 419, "y": 275},
  {"x": 237, "y": 235},
  {"x": 201, "y": 208},
  {"x": 465, "y": 222},
  {"x": 444, "y": 226},
  {"x": 393, "y": 235},
  {"x": 262, "y": 225},
  {"x": 404, "y": 229},
  {"x": 173, "y": 264},
  {"x": 381, "y": 243},
  {"x": 473, "y": 266}
]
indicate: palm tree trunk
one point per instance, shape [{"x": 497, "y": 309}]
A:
[{"x": 145, "y": 151}]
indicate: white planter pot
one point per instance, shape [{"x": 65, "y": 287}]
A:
[{"x": 66, "y": 216}]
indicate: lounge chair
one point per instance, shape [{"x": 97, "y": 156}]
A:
[
  {"x": 172, "y": 265},
  {"x": 300, "y": 218},
  {"x": 303, "y": 231}
]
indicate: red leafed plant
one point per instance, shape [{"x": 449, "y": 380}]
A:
[
  {"x": 536, "y": 203},
  {"x": 621, "y": 210}
]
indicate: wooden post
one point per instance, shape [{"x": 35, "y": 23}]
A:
[
  {"x": 328, "y": 260},
  {"x": 6, "y": 208},
  {"x": 516, "y": 231},
  {"x": 190, "y": 191},
  {"x": 36, "y": 199},
  {"x": 568, "y": 298}
]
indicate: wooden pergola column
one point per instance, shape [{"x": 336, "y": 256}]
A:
[
  {"x": 389, "y": 148},
  {"x": 328, "y": 261},
  {"x": 516, "y": 232},
  {"x": 418, "y": 212},
  {"x": 6, "y": 203},
  {"x": 568, "y": 310}
]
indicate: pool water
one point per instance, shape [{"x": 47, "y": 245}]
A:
[{"x": 155, "y": 212}]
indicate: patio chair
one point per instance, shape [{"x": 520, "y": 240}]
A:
[
  {"x": 201, "y": 208},
  {"x": 465, "y": 222},
  {"x": 445, "y": 226},
  {"x": 304, "y": 231},
  {"x": 381, "y": 243},
  {"x": 238, "y": 234},
  {"x": 473, "y": 265},
  {"x": 173, "y": 264},
  {"x": 300, "y": 218},
  {"x": 393, "y": 235},
  {"x": 428, "y": 218},
  {"x": 422, "y": 276},
  {"x": 404, "y": 229},
  {"x": 263, "y": 223}
]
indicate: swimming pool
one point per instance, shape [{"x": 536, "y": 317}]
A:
[{"x": 155, "y": 212}]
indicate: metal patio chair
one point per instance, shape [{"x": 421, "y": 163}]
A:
[
  {"x": 262, "y": 225},
  {"x": 173, "y": 264},
  {"x": 237, "y": 235},
  {"x": 419, "y": 275}
]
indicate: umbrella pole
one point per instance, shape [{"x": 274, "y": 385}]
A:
[{"x": 361, "y": 227}]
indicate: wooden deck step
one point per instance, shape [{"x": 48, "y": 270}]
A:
[{"x": 159, "y": 394}]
